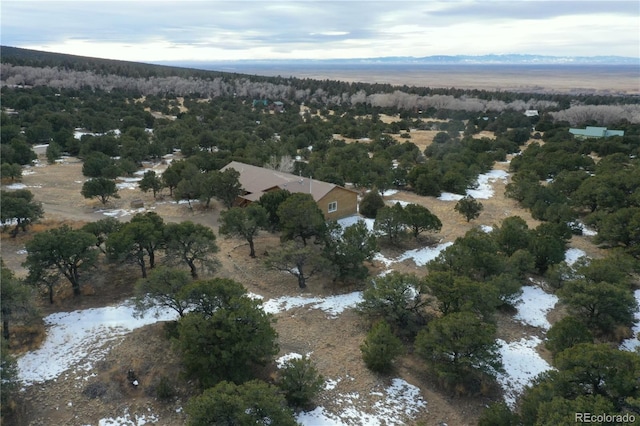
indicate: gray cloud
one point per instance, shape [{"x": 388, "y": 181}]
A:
[
  {"x": 185, "y": 21},
  {"x": 382, "y": 27},
  {"x": 537, "y": 10}
]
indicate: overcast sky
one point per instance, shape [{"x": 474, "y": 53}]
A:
[{"x": 147, "y": 30}]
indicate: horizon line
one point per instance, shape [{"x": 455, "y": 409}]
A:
[{"x": 370, "y": 58}]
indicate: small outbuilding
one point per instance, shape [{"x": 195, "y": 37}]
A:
[
  {"x": 591, "y": 132},
  {"x": 278, "y": 106},
  {"x": 262, "y": 102}
]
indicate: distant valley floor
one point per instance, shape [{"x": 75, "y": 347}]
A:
[{"x": 601, "y": 79}]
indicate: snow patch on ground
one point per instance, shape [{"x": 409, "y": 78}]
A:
[
  {"x": 64, "y": 159},
  {"x": 121, "y": 212},
  {"x": 420, "y": 256},
  {"x": 534, "y": 305},
  {"x": 78, "y": 339},
  {"x": 572, "y": 255},
  {"x": 78, "y": 133},
  {"x": 395, "y": 405},
  {"x": 402, "y": 203},
  {"x": 330, "y": 384},
  {"x": 633, "y": 343},
  {"x": 332, "y": 305},
  {"x": 182, "y": 202},
  {"x": 384, "y": 260},
  {"x": 389, "y": 192},
  {"x": 449, "y": 196},
  {"x": 522, "y": 364},
  {"x": 486, "y": 228},
  {"x": 128, "y": 182},
  {"x": 585, "y": 230},
  {"x": 130, "y": 179},
  {"x": 18, "y": 185},
  {"x": 319, "y": 416},
  {"x": 282, "y": 361},
  {"x": 126, "y": 185},
  {"x": 345, "y": 222},
  {"x": 129, "y": 420},
  {"x": 424, "y": 255},
  {"x": 484, "y": 187},
  {"x": 484, "y": 191},
  {"x": 254, "y": 296}
]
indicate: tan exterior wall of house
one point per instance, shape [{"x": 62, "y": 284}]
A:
[{"x": 347, "y": 203}]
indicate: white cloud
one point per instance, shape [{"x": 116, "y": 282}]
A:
[{"x": 331, "y": 33}]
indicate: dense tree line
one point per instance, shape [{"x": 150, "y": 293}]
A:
[
  {"x": 453, "y": 164},
  {"x": 604, "y": 115},
  {"x": 214, "y": 84},
  {"x": 325, "y": 91},
  {"x": 230, "y": 127},
  {"x": 66, "y": 253},
  {"x": 66, "y": 93}
]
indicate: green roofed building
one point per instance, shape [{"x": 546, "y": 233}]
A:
[{"x": 595, "y": 132}]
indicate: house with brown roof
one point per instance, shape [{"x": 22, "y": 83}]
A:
[{"x": 334, "y": 201}]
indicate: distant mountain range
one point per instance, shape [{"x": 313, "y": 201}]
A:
[
  {"x": 508, "y": 59},
  {"x": 511, "y": 59}
]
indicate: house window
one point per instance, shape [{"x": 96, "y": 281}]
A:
[{"x": 333, "y": 206}]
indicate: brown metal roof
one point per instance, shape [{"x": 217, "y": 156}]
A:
[{"x": 258, "y": 180}]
